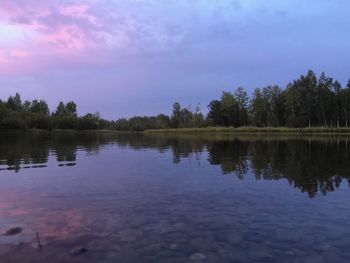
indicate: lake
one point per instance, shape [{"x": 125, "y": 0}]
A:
[{"x": 93, "y": 197}]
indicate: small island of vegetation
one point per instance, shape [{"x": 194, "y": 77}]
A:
[{"x": 308, "y": 104}]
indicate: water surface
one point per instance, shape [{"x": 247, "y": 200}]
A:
[{"x": 167, "y": 198}]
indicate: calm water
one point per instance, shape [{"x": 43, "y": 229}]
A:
[{"x": 144, "y": 198}]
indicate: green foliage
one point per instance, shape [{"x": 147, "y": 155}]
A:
[
  {"x": 242, "y": 99},
  {"x": 71, "y": 109},
  {"x": 231, "y": 110},
  {"x": 36, "y": 115},
  {"x": 215, "y": 113},
  {"x": 122, "y": 125},
  {"x": 185, "y": 117},
  {"x": 306, "y": 102},
  {"x": 39, "y": 107},
  {"x": 138, "y": 123},
  {"x": 14, "y": 103},
  {"x": 176, "y": 116},
  {"x": 89, "y": 122},
  {"x": 268, "y": 107},
  {"x": 259, "y": 109},
  {"x": 66, "y": 110}
]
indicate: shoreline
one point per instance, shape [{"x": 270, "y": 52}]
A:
[
  {"x": 257, "y": 130},
  {"x": 206, "y": 130},
  {"x": 59, "y": 131}
]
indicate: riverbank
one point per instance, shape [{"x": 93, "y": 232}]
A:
[
  {"x": 59, "y": 131},
  {"x": 207, "y": 130},
  {"x": 269, "y": 130}
]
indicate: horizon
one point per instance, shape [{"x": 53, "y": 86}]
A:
[
  {"x": 190, "y": 107},
  {"x": 127, "y": 58}
]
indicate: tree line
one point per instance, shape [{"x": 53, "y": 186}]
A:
[
  {"x": 15, "y": 114},
  {"x": 305, "y": 102},
  {"x": 308, "y": 101}
]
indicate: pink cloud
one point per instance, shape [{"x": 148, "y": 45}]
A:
[
  {"x": 59, "y": 25},
  {"x": 18, "y": 53},
  {"x": 66, "y": 39},
  {"x": 41, "y": 36},
  {"x": 3, "y": 59},
  {"x": 16, "y": 61},
  {"x": 51, "y": 34},
  {"x": 78, "y": 11}
]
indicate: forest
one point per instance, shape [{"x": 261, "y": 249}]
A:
[{"x": 308, "y": 101}]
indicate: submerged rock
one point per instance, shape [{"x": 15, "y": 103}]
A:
[
  {"x": 197, "y": 256},
  {"x": 173, "y": 246},
  {"x": 261, "y": 252},
  {"x": 78, "y": 251},
  {"x": 129, "y": 235},
  {"x": 13, "y": 231}
]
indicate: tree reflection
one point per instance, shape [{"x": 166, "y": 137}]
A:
[
  {"x": 312, "y": 164},
  {"x": 32, "y": 150}
]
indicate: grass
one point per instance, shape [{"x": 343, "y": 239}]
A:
[
  {"x": 277, "y": 130},
  {"x": 209, "y": 130},
  {"x": 82, "y": 131}
]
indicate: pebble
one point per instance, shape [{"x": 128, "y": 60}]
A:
[
  {"x": 197, "y": 256},
  {"x": 173, "y": 246},
  {"x": 13, "y": 231},
  {"x": 78, "y": 251},
  {"x": 129, "y": 235},
  {"x": 262, "y": 252}
]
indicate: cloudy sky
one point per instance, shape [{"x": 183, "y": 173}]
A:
[{"x": 137, "y": 57}]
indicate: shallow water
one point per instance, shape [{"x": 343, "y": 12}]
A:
[{"x": 167, "y": 198}]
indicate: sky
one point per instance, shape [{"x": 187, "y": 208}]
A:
[{"x": 137, "y": 57}]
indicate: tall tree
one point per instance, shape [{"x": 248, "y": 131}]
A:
[
  {"x": 230, "y": 110},
  {"x": 197, "y": 117},
  {"x": 40, "y": 107},
  {"x": 259, "y": 109},
  {"x": 344, "y": 98},
  {"x": 66, "y": 110},
  {"x": 215, "y": 113},
  {"x": 308, "y": 85},
  {"x": 71, "y": 109},
  {"x": 274, "y": 98},
  {"x": 61, "y": 109},
  {"x": 293, "y": 103},
  {"x": 242, "y": 99},
  {"x": 325, "y": 99},
  {"x": 176, "y": 115},
  {"x": 337, "y": 103},
  {"x": 14, "y": 102}
]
